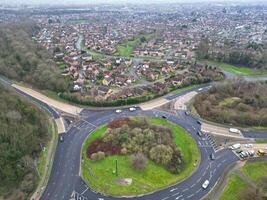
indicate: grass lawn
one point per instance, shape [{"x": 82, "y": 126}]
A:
[
  {"x": 239, "y": 70},
  {"x": 126, "y": 49},
  {"x": 261, "y": 141},
  {"x": 183, "y": 89},
  {"x": 234, "y": 188},
  {"x": 99, "y": 174},
  {"x": 255, "y": 170}
]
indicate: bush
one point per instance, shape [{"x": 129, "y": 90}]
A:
[
  {"x": 139, "y": 161},
  {"x": 98, "y": 156},
  {"x": 161, "y": 154}
]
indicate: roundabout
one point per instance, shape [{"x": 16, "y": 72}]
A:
[
  {"x": 101, "y": 175},
  {"x": 65, "y": 180}
]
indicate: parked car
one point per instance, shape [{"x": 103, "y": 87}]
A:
[
  {"x": 261, "y": 152},
  {"x": 61, "y": 139},
  {"x": 248, "y": 145},
  {"x": 200, "y": 134},
  {"x": 235, "y": 146},
  {"x": 164, "y": 117},
  {"x": 205, "y": 184},
  {"x": 118, "y": 111}
]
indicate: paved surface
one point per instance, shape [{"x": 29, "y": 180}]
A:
[
  {"x": 74, "y": 110},
  {"x": 65, "y": 182}
]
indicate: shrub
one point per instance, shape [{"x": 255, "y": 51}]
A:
[
  {"x": 161, "y": 154},
  {"x": 124, "y": 151},
  {"x": 98, "y": 156},
  {"x": 139, "y": 161}
]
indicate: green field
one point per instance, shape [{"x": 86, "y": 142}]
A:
[
  {"x": 99, "y": 174},
  {"x": 234, "y": 188},
  {"x": 255, "y": 170},
  {"x": 125, "y": 49},
  {"x": 239, "y": 70}
]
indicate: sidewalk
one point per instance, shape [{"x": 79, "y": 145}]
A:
[{"x": 73, "y": 110}]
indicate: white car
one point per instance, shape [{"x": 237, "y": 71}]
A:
[
  {"x": 118, "y": 111},
  {"x": 205, "y": 184},
  {"x": 248, "y": 145},
  {"x": 235, "y": 146},
  {"x": 132, "y": 109},
  {"x": 234, "y": 130}
]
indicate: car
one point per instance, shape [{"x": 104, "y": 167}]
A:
[
  {"x": 251, "y": 153},
  {"x": 205, "y": 184},
  {"x": 200, "y": 89},
  {"x": 199, "y": 133},
  {"x": 261, "y": 152},
  {"x": 132, "y": 109},
  {"x": 199, "y": 122},
  {"x": 118, "y": 111},
  {"x": 164, "y": 117},
  {"x": 61, "y": 139},
  {"x": 248, "y": 145},
  {"x": 235, "y": 146},
  {"x": 234, "y": 130},
  {"x": 187, "y": 113},
  {"x": 212, "y": 156},
  {"x": 239, "y": 151}
]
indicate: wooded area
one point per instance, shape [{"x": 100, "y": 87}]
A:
[
  {"x": 24, "y": 131},
  {"x": 237, "y": 102},
  {"x": 24, "y": 60},
  {"x": 253, "y": 55}
]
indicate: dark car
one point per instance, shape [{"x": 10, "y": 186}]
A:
[
  {"x": 164, "y": 117},
  {"x": 199, "y": 122},
  {"x": 61, "y": 139},
  {"x": 212, "y": 156}
]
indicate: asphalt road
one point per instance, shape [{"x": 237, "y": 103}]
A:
[{"x": 65, "y": 183}]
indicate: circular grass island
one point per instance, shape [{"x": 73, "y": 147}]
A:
[{"x": 151, "y": 154}]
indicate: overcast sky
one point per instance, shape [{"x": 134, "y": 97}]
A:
[{"x": 104, "y": 1}]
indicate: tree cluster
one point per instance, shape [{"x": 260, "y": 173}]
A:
[
  {"x": 24, "y": 60},
  {"x": 252, "y": 55},
  {"x": 23, "y": 133},
  {"x": 235, "y": 102},
  {"x": 141, "y": 139}
]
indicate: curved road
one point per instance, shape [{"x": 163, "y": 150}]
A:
[{"x": 65, "y": 183}]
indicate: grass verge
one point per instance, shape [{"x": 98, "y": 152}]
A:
[
  {"x": 255, "y": 170},
  {"x": 234, "y": 188}
]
